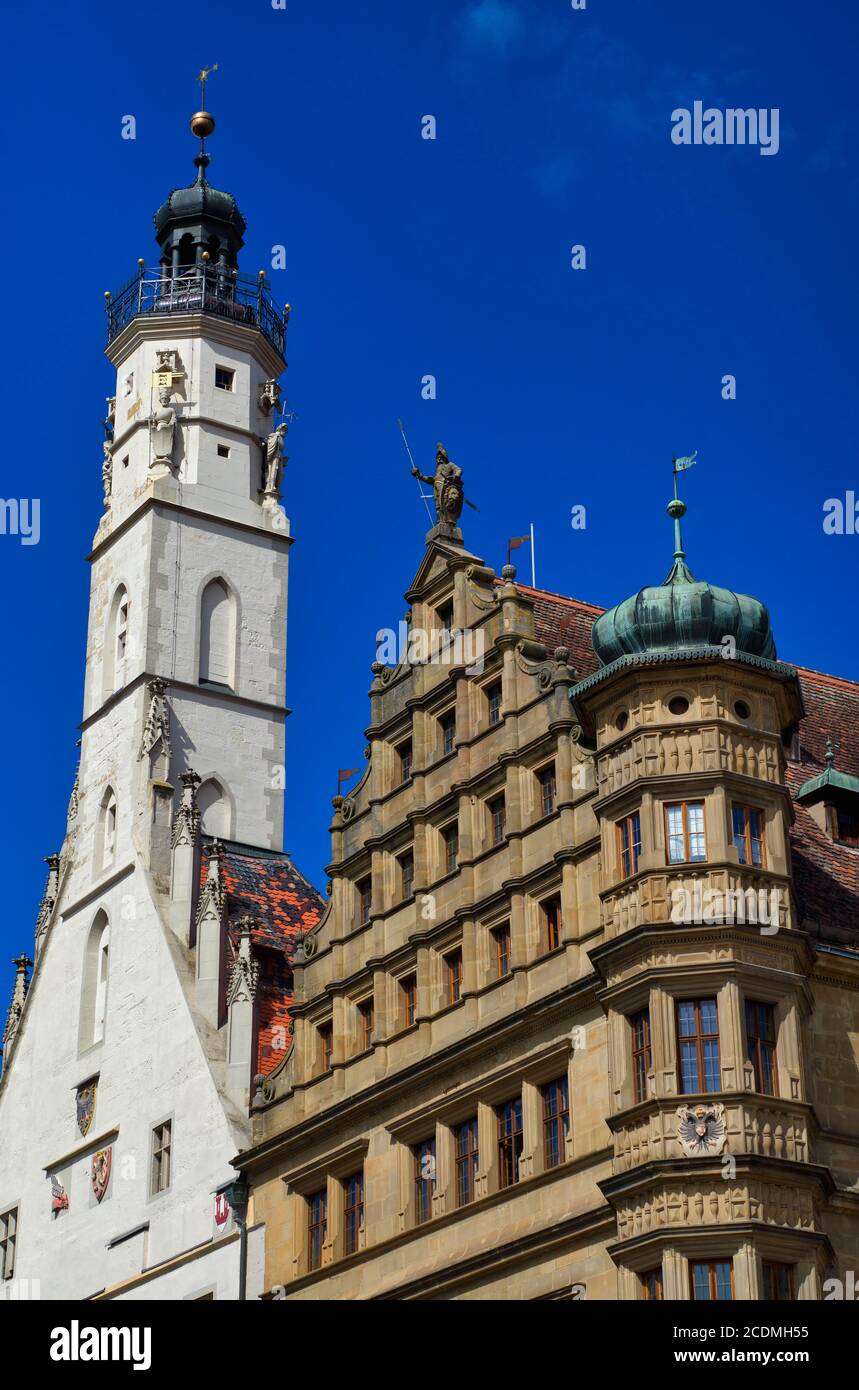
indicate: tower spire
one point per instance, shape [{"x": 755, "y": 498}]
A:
[{"x": 677, "y": 510}]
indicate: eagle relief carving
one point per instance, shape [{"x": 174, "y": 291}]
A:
[{"x": 701, "y": 1129}]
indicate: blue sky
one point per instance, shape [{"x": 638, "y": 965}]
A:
[{"x": 451, "y": 257}]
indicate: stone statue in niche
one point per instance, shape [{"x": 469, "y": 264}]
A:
[
  {"x": 274, "y": 462},
  {"x": 110, "y": 419},
  {"x": 107, "y": 472},
  {"x": 162, "y": 428}
]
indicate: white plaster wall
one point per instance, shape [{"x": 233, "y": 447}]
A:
[{"x": 151, "y": 1067}]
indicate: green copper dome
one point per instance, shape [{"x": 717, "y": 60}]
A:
[{"x": 681, "y": 613}]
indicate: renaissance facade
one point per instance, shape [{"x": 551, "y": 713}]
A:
[{"x": 581, "y": 1019}]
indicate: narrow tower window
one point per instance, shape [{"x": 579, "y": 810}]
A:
[{"x": 217, "y": 635}]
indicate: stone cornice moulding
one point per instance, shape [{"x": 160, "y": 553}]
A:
[
  {"x": 151, "y": 503},
  {"x": 145, "y": 328},
  {"x": 189, "y": 688},
  {"x": 222, "y": 426},
  {"x": 82, "y": 1150}
]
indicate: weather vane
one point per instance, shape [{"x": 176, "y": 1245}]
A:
[{"x": 202, "y": 76}]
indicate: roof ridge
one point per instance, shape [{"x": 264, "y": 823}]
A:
[{"x": 827, "y": 676}]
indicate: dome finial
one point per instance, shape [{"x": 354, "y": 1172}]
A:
[
  {"x": 203, "y": 123},
  {"x": 676, "y": 508}
]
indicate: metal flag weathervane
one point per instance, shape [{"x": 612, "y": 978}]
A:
[{"x": 202, "y": 77}]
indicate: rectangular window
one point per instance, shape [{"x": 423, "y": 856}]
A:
[
  {"x": 450, "y": 839},
  {"x": 425, "y": 1179},
  {"x": 778, "y": 1283},
  {"x": 760, "y": 1046},
  {"x": 493, "y": 699},
  {"x": 698, "y": 1046},
  {"x": 510, "y": 1141},
  {"x": 651, "y": 1283},
  {"x": 326, "y": 1045},
  {"x": 447, "y": 724},
  {"x": 556, "y": 1121},
  {"x": 467, "y": 1159},
  {"x": 366, "y": 1023},
  {"x": 497, "y": 808},
  {"x": 365, "y": 900},
  {"x": 404, "y": 754},
  {"x": 641, "y": 1054},
  {"x": 551, "y": 911},
  {"x": 445, "y": 616},
  {"x": 223, "y": 451},
  {"x": 407, "y": 874},
  {"x": 501, "y": 942},
  {"x": 629, "y": 844},
  {"x": 453, "y": 977},
  {"x": 224, "y": 378},
  {"x": 317, "y": 1227},
  {"x": 548, "y": 789},
  {"x": 684, "y": 823},
  {"x": 8, "y": 1240},
  {"x": 843, "y": 824},
  {"x": 162, "y": 1148},
  {"x": 353, "y": 1211},
  {"x": 748, "y": 828},
  {"x": 712, "y": 1281},
  {"x": 408, "y": 1000}
]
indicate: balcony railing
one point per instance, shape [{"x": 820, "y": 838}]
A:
[{"x": 203, "y": 290}]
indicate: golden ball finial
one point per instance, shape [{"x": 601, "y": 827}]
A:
[
  {"x": 206, "y": 256},
  {"x": 202, "y": 123}
]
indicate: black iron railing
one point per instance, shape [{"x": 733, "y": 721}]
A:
[{"x": 207, "y": 290}]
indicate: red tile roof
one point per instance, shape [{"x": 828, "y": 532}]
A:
[{"x": 284, "y": 906}]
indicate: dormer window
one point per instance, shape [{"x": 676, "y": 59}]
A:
[{"x": 843, "y": 824}]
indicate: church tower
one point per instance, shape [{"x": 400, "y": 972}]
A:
[{"x": 163, "y": 945}]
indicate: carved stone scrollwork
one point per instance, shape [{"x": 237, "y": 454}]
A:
[
  {"x": 310, "y": 946},
  {"x": 347, "y": 809},
  {"x": 263, "y": 1091}
]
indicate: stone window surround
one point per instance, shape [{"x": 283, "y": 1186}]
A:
[
  {"x": 674, "y": 1254},
  {"x": 331, "y": 1173},
  {"x": 152, "y": 1194},
  {"x": 441, "y": 1118},
  {"x": 718, "y": 795},
  {"x": 731, "y": 986}
]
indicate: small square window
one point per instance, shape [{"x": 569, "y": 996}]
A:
[
  {"x": 225, "y": 378},
  {"x": 125, "y": 461},
  {"x": 223, "y": 451}
]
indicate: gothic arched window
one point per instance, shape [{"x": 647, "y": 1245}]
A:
[
  {"x": 95, "y": 977},
  {"x": 217, "y": 634},
  {"x": 116, "y": 642},
  {"x": 105, "y": 837},
  {"x": 214, "y": 808}
]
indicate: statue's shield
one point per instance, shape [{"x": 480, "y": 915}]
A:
[{"x": 85, "y": 1105}]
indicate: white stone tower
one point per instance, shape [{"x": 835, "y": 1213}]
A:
[{"x": 138, "y": 1033}]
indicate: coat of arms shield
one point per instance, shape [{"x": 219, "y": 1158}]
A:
[
  {"x": 85, "y": 1105},
  {"x": 102, "y": 1161}
]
